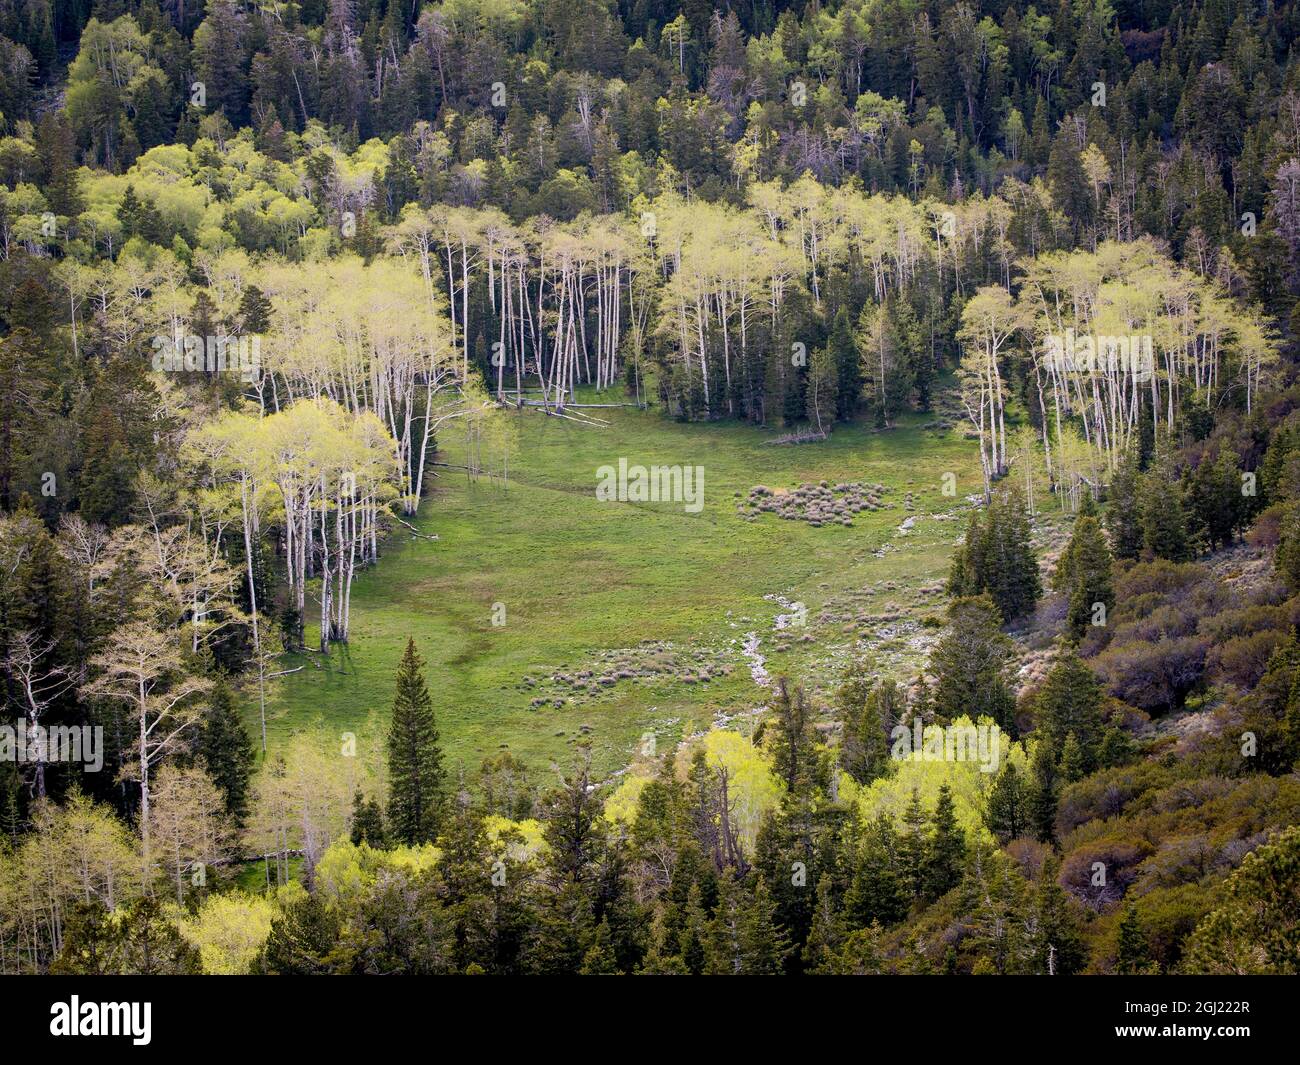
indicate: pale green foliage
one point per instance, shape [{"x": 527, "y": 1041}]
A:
[
  {"x": 914, "y": 772},
  {"x": 229, "y": 930},
  {"x": 752, "y": 786},
  {"x": 621, "y": 806},
  {"x": 347, "y": 870},
  {"x": 525, "y": 837}
]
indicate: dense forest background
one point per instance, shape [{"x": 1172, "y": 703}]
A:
[{"x": 793, "y": 215}]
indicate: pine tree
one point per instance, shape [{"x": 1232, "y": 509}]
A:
[
  {"x": 970, "y": 665},
  {"x": 1072, "y": 767},
  {"x": 848, "y": 371},
  {"x": 417, "y": 780},
  {"x": 1124, "y": 510},
  {"x": 912, "y": 847},
  {"x": 868, "y": 710},
  {"x": 1164, "y": 520},
  {"x": 1132, "y": 957},
  {"x": 1043, "y": 791},
  {"x": 1007, "y": 813},
  {"x": 226, "y": 752},
  {"x": 763, "y": 942},
  {"x": 367, "y": 822},
  {"x": 1253, "y": 930},
  {"x": 1069, "y": 703},
  {"x": 826, "y": 937},
  {"x": 946, "y": 853},
  {"x": 1084, "y": 575},
  {"x": 1056, "y": 942}
]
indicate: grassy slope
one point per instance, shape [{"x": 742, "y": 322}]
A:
[{"x": 577, "y": 576}]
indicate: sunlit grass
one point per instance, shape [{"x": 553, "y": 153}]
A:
[{"x": 576, "y": 575}]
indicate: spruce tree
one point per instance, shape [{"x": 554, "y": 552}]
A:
[
  {"x": 1043, "y": 792},
  {"x": 1069, "y": 702},
  {"x": 367, "y": 822},
  {"x": 993, "y": 895},
  {"x": 963, "y": 576},
  {"x": 1084, "y": 575},
  {"x": 693, "y": 941},
  {"x": 1164, "y": 518},
  {"x": 1072, "y": 760},
  {"x": 1056, "y": 942},
  {"x": 794, "y": 747},
  {"x": 848, "y": 372},
  {"x": 970, "y": 665},
  {"x": 912, "y": 847},
  {"x": 868, "y": 711},
  {"x": 1216, "y": 499},
  {"x": 850, "y": 706},
  {"x": 303, "y": 940},
  {"x": 947, "y": 848},
  {"x": 1007, "y": 814},
  {"x": 1132, "y": 957},
  {"x": 858, "y": 955},
  {"x": 827, "y": 934},
  {"x": 998, "y": 559},
  {"x": 226, "y": 752},
  {"x": 1117, "y": 747},
  {"x": 913, "y": 363},
  {"x": 417, "y": 780},
  {"x": 599, "y": 959},
  {"x": 254, "y": 311},
  {"x": 1124, "y": 509},
  {"x": 763, "y": 942},
  {"x": 877, "y": 892},
  {"x": 724, "y": 953},
  {"x": 1010, "y": 569}
]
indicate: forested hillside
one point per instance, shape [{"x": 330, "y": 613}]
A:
[{"x": 956, "y": 612}]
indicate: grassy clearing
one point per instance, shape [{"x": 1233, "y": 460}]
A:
[{"x": 579, "y": 577}]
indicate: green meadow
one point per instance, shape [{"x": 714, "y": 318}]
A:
[{"x": 642, "y": 609}]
